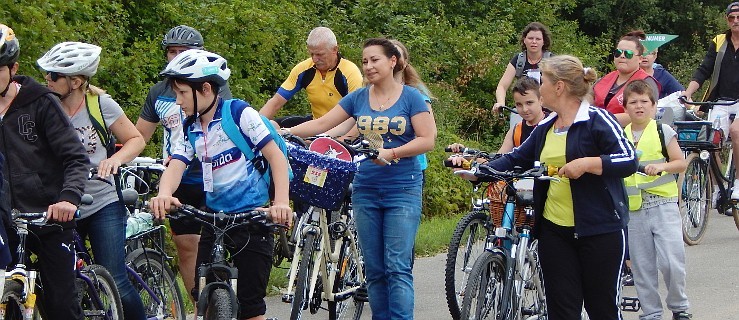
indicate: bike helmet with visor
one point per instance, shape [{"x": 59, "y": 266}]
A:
[
  {"x": 71, "y": 59},
  {"x": 183, "y": 35}
]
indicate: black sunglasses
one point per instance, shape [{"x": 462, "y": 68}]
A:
[
  {"x": 54, "y": 76},
  {"x": 628, "y": 53}
]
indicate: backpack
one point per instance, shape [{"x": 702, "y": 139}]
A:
[
  {"x": 95, "y": 112},
  {"x": 521, "y": 61},
  {"x": 661, "y": 134},
  {"x": 233, "y": 131}
]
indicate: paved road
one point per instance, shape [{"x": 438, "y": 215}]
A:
[{"x": 713, "y": 280}]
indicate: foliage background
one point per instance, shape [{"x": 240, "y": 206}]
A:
[{"x": 460, "y": 47}]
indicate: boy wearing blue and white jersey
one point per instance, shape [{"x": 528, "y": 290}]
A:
[
  {"x": 231, "y": 181},
  {"x": 160, "y": 107}
]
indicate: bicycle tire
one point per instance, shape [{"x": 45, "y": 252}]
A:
[
  {"x": 160, "y": 278},
  {"x": 694, "y": 199},
  {"x": 483, "y": 293},
  {"x": 347, "y": 276},
  {"x": 219, "y": 305},
  {"x": 302, "y": 284},
  {"x": 533, "y": 301},
  {"x": 456, "y": 270},
  {"x": 106, "y": 290},
  {"x": 12, "y": 298}
]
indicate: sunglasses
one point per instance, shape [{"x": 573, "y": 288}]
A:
[
  {"x": 732, "y": 18},
  {"x": 54, "y": 76},
  {"x": 628, "y": 53}
]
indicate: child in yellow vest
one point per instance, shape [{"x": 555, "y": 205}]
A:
[{"x": 655, "y": 234}]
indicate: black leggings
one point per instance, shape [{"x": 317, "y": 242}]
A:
[{"x": 586, "y": 269}]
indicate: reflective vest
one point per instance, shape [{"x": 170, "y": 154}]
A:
[
  {"x": 616, "y": 104},
  {"x": 651, "y": 152}
]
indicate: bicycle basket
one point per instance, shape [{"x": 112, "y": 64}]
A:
[
  {"x": 497, "y": 195},
  {"x": 698, "y": 134},
  {"x": 319, "y": 180}
]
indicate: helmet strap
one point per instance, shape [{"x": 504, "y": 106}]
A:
[
  {"x": 195, "y": 100},
  {"x": 10, "y": 80}
]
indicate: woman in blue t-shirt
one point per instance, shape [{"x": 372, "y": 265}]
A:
[{"x": 386, "y": 198}]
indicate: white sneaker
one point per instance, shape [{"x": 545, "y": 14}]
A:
[{"x": 735, "y": 191}]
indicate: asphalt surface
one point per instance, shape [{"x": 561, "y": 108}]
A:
[{"x": 712, "y": 283}]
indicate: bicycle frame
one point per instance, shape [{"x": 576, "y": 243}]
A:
[
  {"x": 21, "y": 271},
  {"x": 314, "y": 222}
]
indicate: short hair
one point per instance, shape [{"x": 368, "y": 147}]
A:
[
  {"x": 639, "y": 87},
  {"x": 524, "y": 84},
  {"x": 636, "y": 36},
  {"x": 321, "y": 36},
  {"x": 537, "y": 26},
  {"x": 569, "y": 69}
]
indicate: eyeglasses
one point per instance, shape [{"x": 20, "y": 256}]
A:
[
  {"x": 732, "y": 18},
  {"x": 618, "y": 52}
]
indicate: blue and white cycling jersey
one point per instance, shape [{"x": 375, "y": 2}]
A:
[{"x": 237, "y": 185}]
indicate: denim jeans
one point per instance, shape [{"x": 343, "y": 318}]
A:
[
  {"x": 387, "y": 221},
  {"x": 107, "y": 231}
]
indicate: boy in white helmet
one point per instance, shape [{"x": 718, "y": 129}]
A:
[{"x": 236, "y": 183}]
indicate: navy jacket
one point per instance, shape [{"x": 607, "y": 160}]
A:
[{"x": 600, "y": 202}]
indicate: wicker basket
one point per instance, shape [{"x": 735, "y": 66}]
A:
[{"x": 497, "y": 195}]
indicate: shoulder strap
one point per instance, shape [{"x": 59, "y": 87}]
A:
[
  {"x": 517, "y": 133},
  {"x": 547, "y": 54},
  {"x": 661, "y": 134},
  {"x": 520, "y": 63},
  {"x": 720, "y": 52},
  {"x": 95, "y": 112}
]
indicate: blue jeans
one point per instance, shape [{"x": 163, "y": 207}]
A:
[
  {"x": 107, "y": 231},
  {"x": 387, "y": 221}
]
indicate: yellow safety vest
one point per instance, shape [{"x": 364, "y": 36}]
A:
[{"x": 651, "y": 152}]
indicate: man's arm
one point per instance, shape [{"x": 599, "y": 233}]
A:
[
  {"x": 273, "y": 105},
  {"x": 703, "y": 72}
]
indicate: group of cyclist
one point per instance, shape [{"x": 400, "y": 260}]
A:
[{"x": 582, "y": 217}]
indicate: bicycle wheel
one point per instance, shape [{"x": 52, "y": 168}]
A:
[
  {"x": 695, "y": 193},
  {"x": 484, "y": 292},
  {"x": 219, "y": 305},
  {"x": 347, "y": 276},
  {"x": 159, "y": 278},
  {"x": 12, "y": 298},
  {"x": 103, "y": 289},
  {"x": 533, "y": 302},
  {"x": 467, "y": 243},
  {"x": 302, "y": 284}
]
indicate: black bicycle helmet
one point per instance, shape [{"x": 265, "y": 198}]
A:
[
  {"x": 9, "y": 46},
  {"x": 183, "y": 35}
]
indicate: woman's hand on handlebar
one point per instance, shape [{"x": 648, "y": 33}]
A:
[
  {"x": 281, "y": 213},
  {"x": 383, "y": 157},
  {"x": 108, "y": 167},
  {"x": 456, "y": 147},
  {"x": 162, "y": 204},
  {"x": 497, "y": 107}
]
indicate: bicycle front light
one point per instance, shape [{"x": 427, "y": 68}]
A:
[{"x": 705, "y": 155}]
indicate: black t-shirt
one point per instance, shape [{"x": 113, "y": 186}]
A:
[{"x": 529, "y": 70}]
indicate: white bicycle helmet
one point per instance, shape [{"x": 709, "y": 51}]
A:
[
  {"x": 183, "y": 35},
  {"x": 198, "y": 66},
  {"x": 72, "y": 59},
  {"x": 9, "y": 47}
]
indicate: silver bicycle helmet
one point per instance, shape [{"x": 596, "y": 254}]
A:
[
  {"x": 9, "y": 46},
  {"x": 183, "y": 35},
  {"x": 198, "y": 66},
  {"x": 72, "y": 59}
]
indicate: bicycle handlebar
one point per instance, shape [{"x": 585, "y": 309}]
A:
[
  {"x": 539, "y": 171},
  {"x": 725, "y": 102},
  {"x": 249, "y": 217},
  {"x": 509, "y": 109}
]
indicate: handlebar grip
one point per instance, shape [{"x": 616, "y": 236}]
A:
[{"x": 464, "y": 165}]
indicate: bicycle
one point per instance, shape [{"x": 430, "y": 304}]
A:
[
  {"x": 705, "y": 147},
  {"x": 97, "y": 292},
  {"x": 218, "y": 278},
  {"x": 506, "y": 279},
  {"x": 327, "y": 263},
  {"x": 468, "y": 240}
]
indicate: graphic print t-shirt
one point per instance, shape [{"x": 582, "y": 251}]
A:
[
  {"x": 394, "y": 125},
  {"x": 237, "y": 185}
]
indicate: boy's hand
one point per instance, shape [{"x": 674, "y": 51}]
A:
[
  {"x": 456, "y": 147},
  {"x": 61, "y": 211},
  {"x": 281, "y": 213},
  {"x": 162, "y": 204},
  {"x": 654, "y": 169}
]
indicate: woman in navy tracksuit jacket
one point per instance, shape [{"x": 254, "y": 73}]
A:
[{"x": 580, "y": 226}]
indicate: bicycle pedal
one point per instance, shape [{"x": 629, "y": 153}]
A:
[
  {"x": 630, "y": 304},
  {"x": 287, "y": 298}
]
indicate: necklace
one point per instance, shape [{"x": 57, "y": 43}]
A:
[
  {"x": 561, "y": 128},
  {"x": 78, "y": 108},
  {"x": 377, "y": 99}
]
